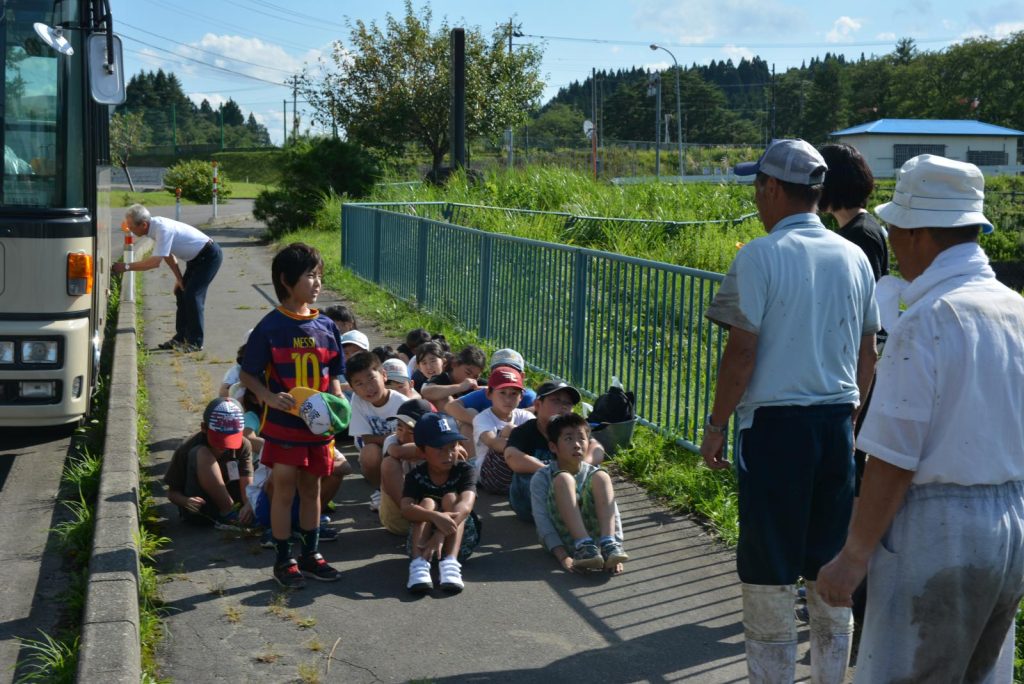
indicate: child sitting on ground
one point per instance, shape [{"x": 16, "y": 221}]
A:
[
  {"x": 458, "y": 377},
  {"x": 430, "y": 360},
  {"x": 398, "y": 378},
  {"x": 209, "y": 472},
  {"x": 400, "y": 457},
  {"x": 492, "y": 427},
  {"x": 438, "y": 498},
  {"x": 373, "y": 406},
  {"x": 574, "y": 502},
  {"x": 413, "y": 339},
  {"x": 343, "y": 317},
  {"x": 468, "y": 406}
]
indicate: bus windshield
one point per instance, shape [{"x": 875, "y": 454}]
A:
[{"x": 30, "y": 133}]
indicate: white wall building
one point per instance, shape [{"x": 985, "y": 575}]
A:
[{"x": 887, "y": 143}]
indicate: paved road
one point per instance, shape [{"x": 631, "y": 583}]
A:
[
  {"x": 675, "y": 614},
  {"x": 31, "y": 461}
]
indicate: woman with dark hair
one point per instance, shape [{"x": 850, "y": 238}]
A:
[{"x": 848, "y": 184}]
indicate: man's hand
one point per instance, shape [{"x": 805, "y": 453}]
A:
[
  {"x": 245, "y": 514},
  {"x": 282, "y": 401},
  {"x": 194, "y": 503},
  {"x": 460, "y": 452},
  {"x": 118, "y": 267},
  {"x": 179, "y": 287},
  {"x": 712, "y": 449},
  {"x": 838, "y": 579}
]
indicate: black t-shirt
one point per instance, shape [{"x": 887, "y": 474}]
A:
[
  {"x": 445, "y": 378},
  {"x": 528, "y": 439},
  {"x": 418, "y": 380},
  {"x": 865, "y": 232},
  {"x": 419, "y": 485}
]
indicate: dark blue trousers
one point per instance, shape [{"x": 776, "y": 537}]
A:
[
  {"x": 795, "y": 473},
  {"x": 199, "y": 273}
]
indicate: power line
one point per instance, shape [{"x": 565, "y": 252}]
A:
[
  {"x": 288, "y": 11},
  {"x": 838, "y": 46},
  {"x": 206, "y": 52},
  {"x": 276, "y": 17},
  {"x": 198, "y": 61},
  {"x": 233, "y": 27}
]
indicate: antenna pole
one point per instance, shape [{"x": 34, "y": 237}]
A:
[{"x": 593, "y": 114}]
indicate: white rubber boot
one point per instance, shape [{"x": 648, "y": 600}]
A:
[
  {"x": 831, "y": 638},
  {"x": 770, "y": 631}
]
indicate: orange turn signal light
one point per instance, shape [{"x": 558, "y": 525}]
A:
[{"x": 80, "y": 275}]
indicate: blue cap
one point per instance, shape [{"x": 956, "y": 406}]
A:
[{"x": 436, "y": 430}]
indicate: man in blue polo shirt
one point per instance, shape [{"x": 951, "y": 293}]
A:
[{"x": 799, "y": 305}]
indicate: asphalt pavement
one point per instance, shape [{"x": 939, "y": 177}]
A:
[{"x": 674, "y": 614}]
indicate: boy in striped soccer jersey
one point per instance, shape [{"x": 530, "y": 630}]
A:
[{"x": 294, "y": 346}]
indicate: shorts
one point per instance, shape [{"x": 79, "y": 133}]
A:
[
  {"x": 495, "y": 475},
  {"x": 585, "y": 502},
  {"x": 794, "y": 468},
  {"x": 470, "y": 537},
  {"x": 261, "y": 511},
  {"x": 317, "y": 459},
  {"x": 391, "y": 516}
]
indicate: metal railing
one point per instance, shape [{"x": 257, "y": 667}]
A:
[{"x": 578, "y": 314}]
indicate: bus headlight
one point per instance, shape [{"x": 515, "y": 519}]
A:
[
  {"x": 6, "y": 352},
  {"x": 38, "y": 351},
  {"x": 46, "y": 389}
]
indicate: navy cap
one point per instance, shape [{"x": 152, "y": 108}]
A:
[
  {"x": 412, "y": 410},
  {"x": 549, "y": 388},
  {"x": 436, "y": 430}
]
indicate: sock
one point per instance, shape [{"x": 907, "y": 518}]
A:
[
  {"x": 585, "y": 540},
  {"x": 606, "y": 540},
  {"x": 284, "y": 551},
  {"x": 310, "y": 540},
  {"x": 450, "y": 557}
]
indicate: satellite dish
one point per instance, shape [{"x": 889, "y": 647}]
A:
[
  {"x": 588, "y": 128},
  {"x": 54, "y": 37}
]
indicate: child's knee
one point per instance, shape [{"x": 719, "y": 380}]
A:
[
  {"x": 428, "y": 504},
  {"x": 370, "y": 455},
  {"x": 448, "y": 501}
]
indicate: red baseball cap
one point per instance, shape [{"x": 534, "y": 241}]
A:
[
  {"x": 224, "y": 420},
  {"x": 505, "y": 376}
]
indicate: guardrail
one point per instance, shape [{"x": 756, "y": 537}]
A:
[{"x": 575, "y": 313}]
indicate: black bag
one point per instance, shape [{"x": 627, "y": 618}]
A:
[{"x": 614, "y": 406}]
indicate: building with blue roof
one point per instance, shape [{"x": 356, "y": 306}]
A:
[{"x": 887, "y": 143}]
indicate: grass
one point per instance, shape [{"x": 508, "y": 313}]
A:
[
  {"x": 50, "y": 660},
  {"x": 166, "y": 198}
]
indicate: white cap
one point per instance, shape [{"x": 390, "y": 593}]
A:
[
  {"x": 357, "y": 338},
  {"x": 396, "y": 370},
  {"x": 508, "y": 357},
  {"x": 793, "y": 161},
  {"x": 935, "y": 192}
]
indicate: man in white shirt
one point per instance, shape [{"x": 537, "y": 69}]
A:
[
  {"x": 203, "y": 257},
  {"x": 941, "y": 511}
]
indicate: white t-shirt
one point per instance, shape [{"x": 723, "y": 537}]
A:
[
  {"x": 231, "y": 376},
  {"x": 407, "y": 465},
  {"x": 175, "y": 237},
  {"x": 949, "y": 392},
  {"x": 486, "y": 421},
  {"x": 368, "y": 419}
]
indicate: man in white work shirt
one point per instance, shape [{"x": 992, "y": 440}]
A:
[
  {"x": 176, "y": 240},
  {"x": 941, "y": 509}
]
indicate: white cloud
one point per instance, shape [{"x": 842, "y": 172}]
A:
[
  {"x": 616, "y": 49},
  {"x": 888, "y": 35},
  {"x": 251, "y": 56},
  {"x": 657, "y": 66},
  {"x": 843, "y": 29},
  {"x": 214, "y": 99},
  {"x": 1005, "y": 29},
  {"x": 736, "y": 53},
  {"x": 701, "y": 21}
]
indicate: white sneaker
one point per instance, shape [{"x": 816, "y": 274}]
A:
[
  {"x": 375, "y": 500},
  {"x": 419, "y": 576},
  {"x": 451, "y": 575}
]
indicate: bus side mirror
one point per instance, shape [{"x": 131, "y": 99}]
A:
[{"x": 106, "y": 78}]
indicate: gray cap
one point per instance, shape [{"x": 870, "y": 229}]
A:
[{"x": 793, "y": 161}]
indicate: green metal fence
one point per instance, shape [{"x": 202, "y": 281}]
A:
[{"x": 578, "y": 314}]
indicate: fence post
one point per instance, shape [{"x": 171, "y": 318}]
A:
[
  {"x": 423, "y": 233},
  {"x": 345, "y": 209},
  {"x": 486, "y": 249},
  {"x": 378, "y": 256},
  {"x": 214, "y": 189},
  {"x": 578, "y": 302}
]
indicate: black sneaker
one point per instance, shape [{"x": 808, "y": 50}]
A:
[
  {"x": 315, "y": 567},
  {"x": 187, "y": 347},
  {"x": 169, "y": 344},
  {"x": 288, "y": 575}
]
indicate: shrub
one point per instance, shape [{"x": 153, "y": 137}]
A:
[
  {"x": 311, "y": 171},
  {"x": 195, "y": 178}
]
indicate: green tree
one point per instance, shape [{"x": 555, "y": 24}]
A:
[
  {"x": 128, "y": 132},
  {"x": 558, "y": 125},
  {"x": 389, "y": 85}
]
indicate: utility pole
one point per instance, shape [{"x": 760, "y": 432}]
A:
[
  {"x": 773, "y": 103},
  {"x": 513, "y": 32},
  {"x": 284, "y": 121},
  {"x": 221, "y": 126},
  {"x": 593, "y": 114},
  {"x": 295, "y": 106},
  {"x": 654, "y": 88}
]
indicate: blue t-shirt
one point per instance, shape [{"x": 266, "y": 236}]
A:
[
  {"x": 809, "y": 296},
  {"x": 286, "y": 350},
  {"x": 478, "y": 401}
]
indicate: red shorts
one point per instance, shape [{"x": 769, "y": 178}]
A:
[{"x": 318, "y": 459}]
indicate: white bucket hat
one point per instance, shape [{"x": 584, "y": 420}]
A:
[{"x": 936, "y": 192}]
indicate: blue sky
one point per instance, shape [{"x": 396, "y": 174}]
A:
[{"x": 270, "y": 39}]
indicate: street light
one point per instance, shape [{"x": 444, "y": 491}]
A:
[{"x": 679, "y": 110}]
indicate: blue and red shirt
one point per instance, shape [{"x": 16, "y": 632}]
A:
[{"x": 286, "y": 350}]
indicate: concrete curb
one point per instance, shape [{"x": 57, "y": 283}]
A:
[{"x": 110, "y": 649}]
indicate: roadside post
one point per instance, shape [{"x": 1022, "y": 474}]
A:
[
  {"x": 214, "y": 189},
  {"x": 177, "y": 204},
  {"x": 129, "y": 256}
]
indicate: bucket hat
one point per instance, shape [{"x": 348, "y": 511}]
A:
[{"x": 936, "y": 192}]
